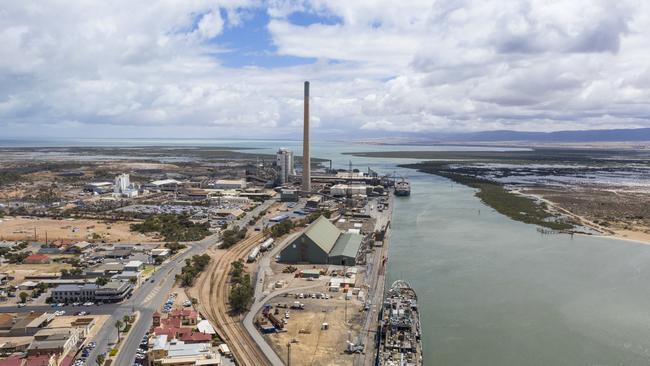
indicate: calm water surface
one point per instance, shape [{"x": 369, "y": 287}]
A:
[{"x": 493, "y": 291}]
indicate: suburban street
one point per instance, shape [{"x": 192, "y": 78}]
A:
[{"x": 152, "y": 295}]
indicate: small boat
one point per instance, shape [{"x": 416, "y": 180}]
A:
[{"x": 400, "y": 341}]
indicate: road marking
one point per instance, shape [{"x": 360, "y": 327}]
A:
[{"x": 151, "y": 295}]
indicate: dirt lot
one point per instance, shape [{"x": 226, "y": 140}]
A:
[
  {"x": 19, "y": 271},
  {"x": 20, "y": 228},
  {"x": 313, "y": 346}
]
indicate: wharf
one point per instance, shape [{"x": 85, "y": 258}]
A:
[{"x": 376, "y": 289}]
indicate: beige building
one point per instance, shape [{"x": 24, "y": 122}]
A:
[{"x": 173, "y": 352}]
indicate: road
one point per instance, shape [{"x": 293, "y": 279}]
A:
[
  {"x": 145, "y": 301},
  {"x": 252, "y": 331},
  {"x": 150, "y": 299},
  {"x": 376, "y": 273},
  {"x": 69, "y": 310},
  {"x": 150, "y": 296},
  {"x": 261, "y": 299}
]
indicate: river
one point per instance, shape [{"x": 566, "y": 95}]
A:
[{"x": 493, "y": 291}]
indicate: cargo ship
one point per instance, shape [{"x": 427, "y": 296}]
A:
[
  {"x": 403, "y": 188},
  {"x": 399, "y": 328}
]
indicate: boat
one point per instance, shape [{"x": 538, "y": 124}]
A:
[
  {"x": 403, "y": 188},
  {"x": 399, "y": 328}
]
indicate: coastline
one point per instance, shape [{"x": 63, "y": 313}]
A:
[{"x": 628, "y": 235}]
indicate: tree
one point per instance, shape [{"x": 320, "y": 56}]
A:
[
  {"x": 126, "y": 319},
  {"x": 65, "y": 272},
  {"x": 101, "y": 281},
  {"x": 118, "y": 325},
  {"x": 23, "y": 297},
  {"x": 241, "y": 294},
  {"x": 100, "y": 360}
]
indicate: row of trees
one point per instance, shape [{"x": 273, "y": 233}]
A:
[
  {"x": 174, "y": 247},
  {"x": 232, "y": 237},
  {"x": 173, "y": 227},
  {"x": 192, "y": 268},
  {"x": 281, "y": 228},
  {"x": 241, "y": 291}
]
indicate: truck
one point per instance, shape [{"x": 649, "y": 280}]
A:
[{"x": 298, "y": 305}]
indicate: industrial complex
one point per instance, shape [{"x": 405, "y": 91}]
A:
[{"x": 222, "y": 261}]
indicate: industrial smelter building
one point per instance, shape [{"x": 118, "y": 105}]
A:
[{"x": 323, "y": 243}]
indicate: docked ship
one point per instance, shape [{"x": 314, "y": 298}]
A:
[
  {"x": 403, "y": 188},
  {"x": 399, "y": 328}
]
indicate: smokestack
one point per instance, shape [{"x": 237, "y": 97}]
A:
[{"x": 306, "y": 163}]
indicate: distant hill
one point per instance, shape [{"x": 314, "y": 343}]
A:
[{"x": 617, "y": 135}]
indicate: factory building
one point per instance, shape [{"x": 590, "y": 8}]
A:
[
  {"x": 323, "y": 243},
  {"x": 342, "y": 190},
  {"x": 289, "y": 195},
  {"x": 122, "y": 183},
  {"x": 164, "y": 185},
  {"x": 284, "y": 161},
  {"x": 123, "y": 187},
  {"x": 228, "y": 184},
  {"x": 98, "y": 187}
]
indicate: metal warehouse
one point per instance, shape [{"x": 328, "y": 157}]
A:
[{"x": 323, "y": 243}]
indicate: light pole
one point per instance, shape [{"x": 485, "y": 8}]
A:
[{"x": 289, "y": 353}]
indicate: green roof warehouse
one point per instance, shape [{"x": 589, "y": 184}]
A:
[{"x": 323, "y": 243}]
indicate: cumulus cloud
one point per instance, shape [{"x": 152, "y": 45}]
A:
[{"x": 156, "y": 68}]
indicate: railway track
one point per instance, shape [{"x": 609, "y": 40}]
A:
[{"x": 212, "y": 287}]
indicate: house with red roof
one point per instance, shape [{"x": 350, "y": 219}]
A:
[
  {"x": 11, "y": 361},
  {"x": 37, "y": 259},
  {"x": 187, "y": 316}
]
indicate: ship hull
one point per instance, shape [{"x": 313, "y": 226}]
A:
[{"x": 399, "y": 342}]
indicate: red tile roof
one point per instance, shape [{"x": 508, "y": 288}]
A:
[
  {"x": 42, "y": 360},
  {"x": 67, "y": 360},
  {"x": 195, "y": 337},
  {"x": 169, "y": 323},
  {"x": 37, "y": 258},
  {"x": 11, "y": 361}
]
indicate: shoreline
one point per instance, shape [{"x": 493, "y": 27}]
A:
[{"x": 627, "y": 235}]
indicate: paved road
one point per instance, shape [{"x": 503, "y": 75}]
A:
[
  {"x": 145, "y": 301},
  {"x": 152, "y": 295},
  {"x": 257, "y": 337},
  {"x": 69, "y": 310}
]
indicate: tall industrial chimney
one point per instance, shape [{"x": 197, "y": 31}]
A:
[{"x": 306, "y": 163}]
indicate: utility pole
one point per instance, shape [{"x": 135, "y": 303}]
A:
[{"x": 289, "y": 353}]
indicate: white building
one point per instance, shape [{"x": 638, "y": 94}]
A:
[
  {"x": 122, "y": 183},
  {"x": 123, "y": 187},
  {"x": 342, "y": 190},
  {"x": 284, "y": 160},
  {"x": 166, "y": 185},
  {"x": 229, "y": 184}
]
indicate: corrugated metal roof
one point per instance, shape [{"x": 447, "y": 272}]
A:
[
  {"x": 347, "y": 245},
  {"x": 323, "y": 233}
]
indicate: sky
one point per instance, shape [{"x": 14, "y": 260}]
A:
[{"x": 235, "y": 68}]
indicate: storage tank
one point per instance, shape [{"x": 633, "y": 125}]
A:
[
  {"x": 252, "y": 256},
  {"x": 266, "y": 245}
]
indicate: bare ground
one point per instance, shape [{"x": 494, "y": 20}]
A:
[
  {"x": 22, "y": 228},
  {"x": 623, "y": 213}
]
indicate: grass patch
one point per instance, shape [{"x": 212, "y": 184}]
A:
[{"x": 173, "y": 227}]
